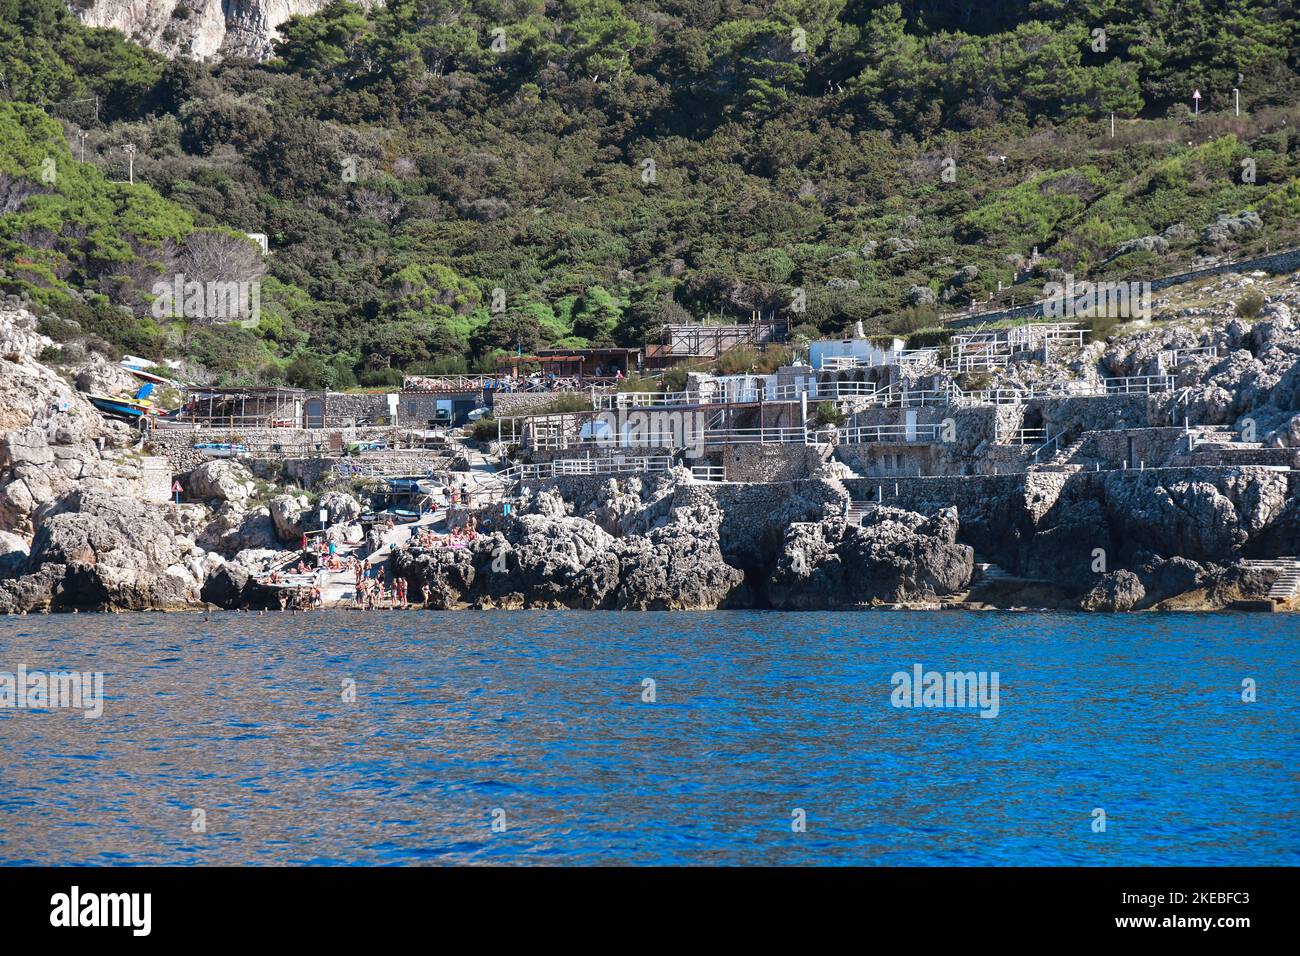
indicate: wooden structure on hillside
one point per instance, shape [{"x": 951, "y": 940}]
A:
[{"x": 254, "y": 407}]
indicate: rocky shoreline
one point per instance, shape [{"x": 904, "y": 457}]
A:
[{"x": 79, "y": 531}]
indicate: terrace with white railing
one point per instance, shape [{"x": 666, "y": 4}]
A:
[
  {"x": 892, "y": 357},
  {"x": 897, "y": 395},
  {"x": 981, "y": 351},
  {"x": 617, "y": 465}
]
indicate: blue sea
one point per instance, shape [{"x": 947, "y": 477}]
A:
[{"x": 764, "y": 738}]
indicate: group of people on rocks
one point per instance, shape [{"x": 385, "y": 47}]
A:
[
  {"x": 373, "y": 593},
  {"x": 301, "y": 598},
  {"x": 426, "y": 538}
]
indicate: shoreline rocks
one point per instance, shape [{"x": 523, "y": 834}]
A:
[{"x": 77, "y": 533}]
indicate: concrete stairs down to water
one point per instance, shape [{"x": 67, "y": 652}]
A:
[
  {"x": 987, "y": 572},
  {"x": 1287, "y": 584}
]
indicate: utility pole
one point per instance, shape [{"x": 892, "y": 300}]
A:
[
  {"x": 130, "y": 162},
  {"x": 1112, "y": 125},
  {"x": 1236, "y": 100},
  {"x": 83, "y": 134}
]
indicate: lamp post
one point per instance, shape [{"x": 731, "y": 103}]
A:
[{"x": 129, "y": 149}]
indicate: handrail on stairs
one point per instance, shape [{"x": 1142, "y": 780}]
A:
[{"x": 1054, "y": 441}]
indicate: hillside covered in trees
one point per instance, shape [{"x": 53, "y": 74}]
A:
[{"x": 610, "y": 166}]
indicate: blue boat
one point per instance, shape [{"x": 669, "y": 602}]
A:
[{"x": 128, "y": 408}]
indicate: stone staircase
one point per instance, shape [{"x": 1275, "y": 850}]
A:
[
  {"x": 1061, "y": 460},
  {"x": 1287, "y": 584},
  {"x": 857, "y": 510},
  {"x": 988, "y": 571},
  {"x": 1217, "y": 445}
]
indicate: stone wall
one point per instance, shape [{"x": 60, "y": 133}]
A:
[
  {"x": 1131, "y": 447},
  {"x": 308, "y": 472},
  {"x": 755, "y": 462},
  {"x": 177, "y": 444},
  {"x": 508, "y": 404},
  {"x": 156, "y": 479}
]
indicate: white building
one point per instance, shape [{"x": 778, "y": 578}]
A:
[{"x": 852, "y": 353}]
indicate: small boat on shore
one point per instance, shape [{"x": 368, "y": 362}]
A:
[
  {"x": 220, "y": 449},
  {"x": 139, "y": 367},
  {"x": 128, "y": 408}
]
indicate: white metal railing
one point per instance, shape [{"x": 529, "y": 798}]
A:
[
  {"x": 1053, "y": 443},
  {"x": 842, "y": 363},
  {"x": 862, "y": 434},
  {"x": 1024, "y": 436},
  {"x": 1172, "y": 358},
  {"x": 1138, "y": 384},
  {"x": 586, "y": 466},
  {"x": 916, "y": 356},
  {"x": 865, "y": 394},
  {"x": 708, "y": 472},
  {"x": 977, "y": 362},
  {"x": 615, "y": 400},
  {"x": 775, "y": 436}
]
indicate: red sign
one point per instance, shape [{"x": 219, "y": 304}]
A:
[{"x": 176, "y": 487}]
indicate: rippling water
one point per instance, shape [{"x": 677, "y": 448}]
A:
[{"x": 538, "y": 718}]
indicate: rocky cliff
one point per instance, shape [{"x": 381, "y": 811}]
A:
[
  {"x": 202, "y": 29},
  {"x": 77, "y": 527}
]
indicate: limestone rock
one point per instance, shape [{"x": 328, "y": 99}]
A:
[
  {"x": 220, "y": 480},
  {"x": 286, "y": 516},
  {"x": 116, "y": 553},
  {"x": 1116, "y": 591},
  {"x": 899, "y": 556},
  {"x": 677, "y": 566},
  {"x": 341, "y": 507}
]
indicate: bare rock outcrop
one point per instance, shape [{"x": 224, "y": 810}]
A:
[
  {"x": 677, "y": 566},
  {"x": 202, "y": 29},
  {"x": 896, "y": 557},
  {"x": 1116, "y": 591},
  {"x": 220, "y": 480},
  {"x": 286, "y": 516},
  {"x": 108, "y": 552}
]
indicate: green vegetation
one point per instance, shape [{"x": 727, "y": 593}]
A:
[
  {"x": 433, "y": 203},
  {"x": 484, "y": 430},
  {"x": 827, "y": 413},
  {"x": 1250, "y": 304}
]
